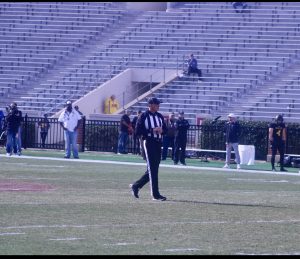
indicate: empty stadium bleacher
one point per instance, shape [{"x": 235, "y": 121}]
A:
[{"x": 48, "y": 49}]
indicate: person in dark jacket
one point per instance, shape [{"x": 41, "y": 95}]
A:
[
  {"x": 125, "y": 129},
  {"x": 277, "y": 138},
  {"x": 151, "y": 127},
  {"x": 19, "y": 134},
  {"x": 232, "y": 133},
  {"x": 13, "y": 121},
  {"x": 44, "y": 126},
  {"x": 168, "y": 139},
  {"x": 193, "y": 67},
  {"x": 136, "y": 139},
  {"x": 239, "y": 6},
  {"x": 181, "y": 128},
  {"x": 1, "y": 120}
]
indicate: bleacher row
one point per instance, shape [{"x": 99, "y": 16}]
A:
[
  {"x": 51, "y": 52},
  {"x": 248, "y": 53},
  {"x": 40, "y": 40}
]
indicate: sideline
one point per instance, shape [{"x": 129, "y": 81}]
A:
[{"x": 144, "y": 164}]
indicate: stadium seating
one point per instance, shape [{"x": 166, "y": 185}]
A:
[
  {"x": 39, "y": 40},
  {"x": 263, "y": 47},
  {"x": 65, "y": 49}
]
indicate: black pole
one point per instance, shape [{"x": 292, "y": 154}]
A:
[
  {"x": 26, "y": 131},
  {"x": 83, "y": 133}
]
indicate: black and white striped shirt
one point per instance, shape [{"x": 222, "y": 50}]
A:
[{"x": 147, "y": 122}]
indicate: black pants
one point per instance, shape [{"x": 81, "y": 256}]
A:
[
  {"x": 167, "y": 142},
  {"x": 179, "y": 150},
  {"x": 43, "y": 137},
  {"x": 280, "y": 147},
  {"x": 136, "y": 144},
  {"x": 195, "y": 70},
  {"x": 152, "y": 149}
]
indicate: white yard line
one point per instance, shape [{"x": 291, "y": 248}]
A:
[
  {"x": 161, "y": 165},
  {"x": 259, "y": 180},
  {"x": 283, "y": 221},
  {"x": 182, "y": 249},
  {"x": 29, "y": 178},
  {"x": 66, "y": 239},
  {"x": 46, "y": 166},
  {"x": 120, "y": 244},
  {"x": 271, "y": 253},
  {"x": 11, "y": 234},
  {"x": 30, "y": 165}
]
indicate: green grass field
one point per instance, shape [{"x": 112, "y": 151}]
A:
[{"x": 51, "y": 206}]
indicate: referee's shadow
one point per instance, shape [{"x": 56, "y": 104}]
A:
[{"x": 226, "y": 203}]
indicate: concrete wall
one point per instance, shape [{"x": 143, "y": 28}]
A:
[{"x": 121, "y": 86}]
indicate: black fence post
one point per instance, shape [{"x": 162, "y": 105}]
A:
[
  {"x": 268, "y": 144},
  {"x": 83, "y": 134},
  {"x": 26, "y": 131}
]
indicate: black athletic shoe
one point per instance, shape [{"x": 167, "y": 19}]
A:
[
  {"x": 283, "y": 170},
  {"x": 134, "y": 191},
  {"x": 159, "y": 198}
]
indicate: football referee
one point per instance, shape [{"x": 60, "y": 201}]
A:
[{"x": 150, "y": 126}]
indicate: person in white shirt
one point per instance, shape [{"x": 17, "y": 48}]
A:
[{"x": 69, "y": 120}]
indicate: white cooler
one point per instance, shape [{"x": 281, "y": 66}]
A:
[{"x": 247, "y": 154}]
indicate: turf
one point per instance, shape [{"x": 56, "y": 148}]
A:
[
  {"x": 108, "y": 156},
  {"x": 87, "y": 208}
]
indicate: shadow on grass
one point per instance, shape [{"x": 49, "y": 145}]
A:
[{"x": 226, "y": 204}]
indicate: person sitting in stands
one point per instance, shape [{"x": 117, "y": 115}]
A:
[
  {"x": 193, "y": 67},
  {"x": 239, "y": 6}
]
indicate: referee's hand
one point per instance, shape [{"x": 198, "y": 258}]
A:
[{"x": 157, "y": 130}]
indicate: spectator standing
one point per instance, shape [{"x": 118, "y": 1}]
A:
[
  {"x": 181, "y": 125},
  {"x": 19, "y": 135},
  {"x": 169, "y": 138},
  {"x": 80, "y": 128},
  {"x": 125, "y": 130},
  {"x": 77, "y": 109},
  {"x": 13, "y": 121},
  {"x": 44, "y": 126},
  {"x": 1, "y": 124},
  {"x": 111, "y": 105},
  {"x": 1, "y": 120},
  {"x": 232, "y": 132},
  {"x": 69, "y": 120},
  {"x": 151, "y": 127},
  {"x": 136, "y": 138},
  {"x": 277, "y": 138},
  {"x": 3, "y": 135},
  {"x": 193, "y": 67}
]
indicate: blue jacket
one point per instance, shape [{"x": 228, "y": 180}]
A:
[
  {"x": 182, "y": 126},
  {"x": 232, "y": 132},
  {"x": 193, "y": 63},
  {"x": 13, "y": 120}
]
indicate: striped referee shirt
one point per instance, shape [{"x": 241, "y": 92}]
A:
[{"x": 147, "y": 122}]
